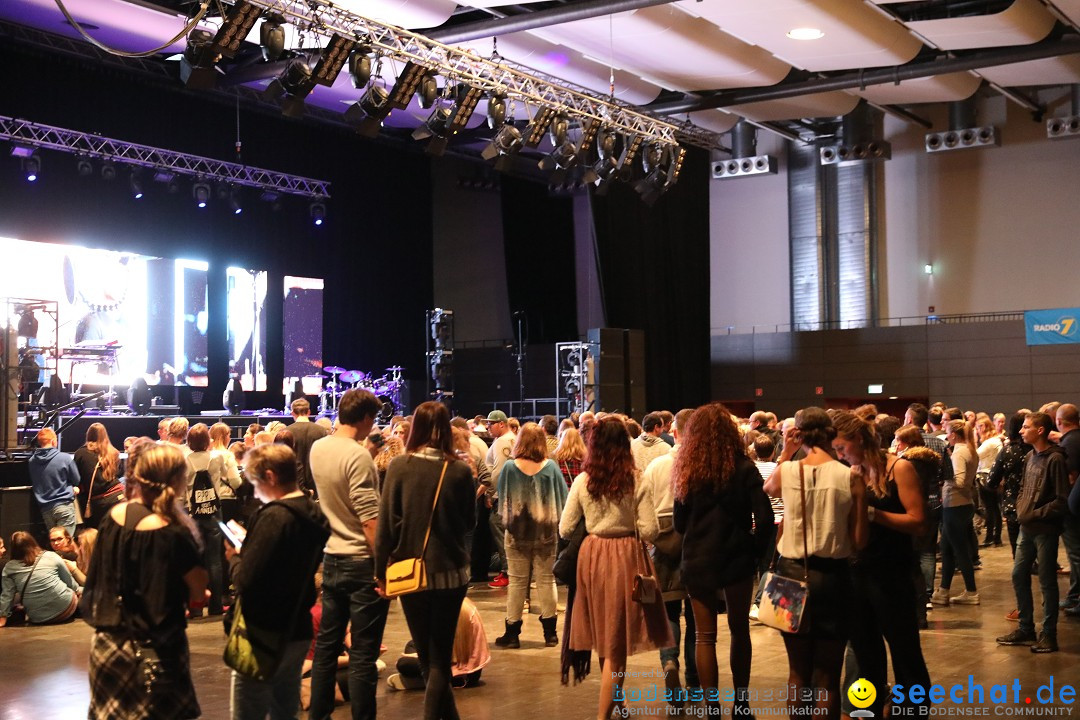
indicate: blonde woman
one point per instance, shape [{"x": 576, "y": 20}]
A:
[
  {"x": 990, "y": 444},
  {"x": 957, "y": 511},
  {"x": 99, "y": 471},
  {"x": 220, "y": 435},
  {"x": 570, "y": 454}
]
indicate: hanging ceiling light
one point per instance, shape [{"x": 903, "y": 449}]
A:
[
  {"x": 291, "y": 87},
  {"x": 201, "y": 192},
  {"x": 136, "y": 183},
  {"x": 360, "y": 66},
  {"x": 368, "y": 113},
  {"x": 332, "y": 58},
  {"x": 428, "y": 91},
  {"x": 317, "y": 209},
  {"x": 272, "y": 38}
]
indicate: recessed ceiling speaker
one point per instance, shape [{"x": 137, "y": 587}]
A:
[
  {"x": 1063, "y": 127},
  {"x": 744, "y": 167},
  {"x": 854, "y": 154},
  {"x": 963, "y": 139}
]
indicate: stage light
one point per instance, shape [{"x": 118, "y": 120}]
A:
[
  {"x": 318, "y": 212},
  {"x": 291, "y": 87},
  {"x": 272, "y": 38},
  {"x": 560, "y": 127},
  {"x": 84, "y": 167},
  {"x": 221, "y": 190},
  {"x": 28, "y": 323},
  {"x": 360, "y": 66},
  {"x": 367, "y": 114},
  {"x": 197, "y": 69},
  {"x": 32, "y": 167},
  {"x": 201, "y": 192},
  {"x": 496, "y": 111},
  {"x": 108, "y": 171},
  {"x": 535, "y": 130},
  {"x": 505, "y": 144},
  {"x": 22, "y": 151},
  {"x": 564, "y": 154},
  {"x": 428, "y": 91},
  {"x": 234, "y": 202},
  {"x": 436, "y": 127},
  {"x": 406, "y": 85},
  {"x": 235, "y": 28},
  {"x": 135, "y": 180},
  {"x": 466, "y": 98},
  {"x": 928, "y": 269},
  {"x": 332, "y": 59},
  {"x": 589, "y": 128}
]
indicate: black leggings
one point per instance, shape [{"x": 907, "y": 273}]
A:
[
  {"x": 432, "y": 618},
  {"x": 991, "y": 503}
]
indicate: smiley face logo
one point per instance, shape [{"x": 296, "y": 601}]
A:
[{"x": 862, "y": 693}]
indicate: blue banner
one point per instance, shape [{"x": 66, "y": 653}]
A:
[{"x": 1052, "y": 327}]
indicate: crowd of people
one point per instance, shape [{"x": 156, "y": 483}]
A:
[{"x": 657, "y": 527}]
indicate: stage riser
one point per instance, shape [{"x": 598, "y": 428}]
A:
[{"x": 122, "y": 426}]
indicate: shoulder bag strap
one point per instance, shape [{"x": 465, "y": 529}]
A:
[
  {"x": 431, "y": 518},
  {"x": 90, "y": 490},
  {"x": 805, "y": 519},
  {"x": 637, "y": 534},
  {"x": 22, "y": 592}
]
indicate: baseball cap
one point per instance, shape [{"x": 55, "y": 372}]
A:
[{"x": 496, "y": 416}]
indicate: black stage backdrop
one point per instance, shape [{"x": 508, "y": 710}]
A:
[
  {"x": 374, "y": 252},
  {"x": 539, "y": 241},
  {"x": 654, "y": 266}
]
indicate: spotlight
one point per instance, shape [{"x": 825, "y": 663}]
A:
[
  {"x": 291, "y": 87},
  {"x": 135, "y": 180},
  {"x": 221, "y": 190},
  {"x": 496, "y": 111},
  {"x": 928, "y": 269},
  {"x": 272, "y": 38},
  {"x": 234, "y": 202},
  {"x": 589, "y": 128},
  {"x": 84, "y": 167},
  {"x": 560, "y": 126},
  {"x": 428, "y": 90},
  {"x": 201, "y": 192},
  {"x": 197, "y": 69},
  {"x": 32, "y": 167},
  {"x": 367, "y": 114},
  {"x": 332, "y": 59},
  {"x": 534, "y": 133},
  {"x": 506, "y": 143},
  {"x": 360, "y": 66},
  {"x": 318, "y": 212},
  {"x": 466, "y": 98},
  {"x": 657, "y": 162},
  {"x": 406, "y": 85},
  {"x": 28, "y": 323},
  {"x": 436, "y": 127},
  {"x": 108, "y": 171}
]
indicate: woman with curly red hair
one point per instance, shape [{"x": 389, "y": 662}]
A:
[
  {"x": 617, "y": 508},
  {"x": 718, "y": 489}
]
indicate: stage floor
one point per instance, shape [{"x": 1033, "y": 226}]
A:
[{"x": 43, "y": 669}]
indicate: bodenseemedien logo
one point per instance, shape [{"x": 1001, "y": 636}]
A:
[{"x": 862, "y": 694}]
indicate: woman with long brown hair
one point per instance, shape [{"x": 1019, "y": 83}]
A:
[
  {"x": 49, "y": 592},
  {"x": 718, "y": 491},
  {"x": 884, "y": 607},
  {"x": 99, "y": 471},
  {"x": 143, "y": 575},
  {"x": 617, "y": 509}
]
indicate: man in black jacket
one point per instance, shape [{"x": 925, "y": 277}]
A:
[{"x": 1040, "y": 510}]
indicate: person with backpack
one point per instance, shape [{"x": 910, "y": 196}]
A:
[{"x": 206, "y": 476}]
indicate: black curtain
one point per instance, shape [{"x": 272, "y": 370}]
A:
[
  {"x": 654, "y": 268},
  {"x": 538, "y": 232}
]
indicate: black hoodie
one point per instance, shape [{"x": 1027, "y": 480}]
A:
[
  {"x": 274, "y": 572},
  {"x": 1042, "y": 504}
]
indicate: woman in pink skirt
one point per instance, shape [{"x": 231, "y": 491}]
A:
[{"x": 616, "y": 508}]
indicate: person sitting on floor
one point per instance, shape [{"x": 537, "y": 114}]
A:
[
  {"x": 48, "y": 591},
  {"x": 470, "y": 654}
]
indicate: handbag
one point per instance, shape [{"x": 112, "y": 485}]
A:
[
  {"x": 18, "y": 610},
  {"x": 565, "y": 567},
  {"x": 669, "y": 542},
  {"x": 646, "y": 590},
  {"x": 250, "y": 652},
  {"x": 784, "y": 599},
  {"x": 410, "y": 575}
]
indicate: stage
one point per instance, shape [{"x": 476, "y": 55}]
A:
[{"x": 122, "y": 426}]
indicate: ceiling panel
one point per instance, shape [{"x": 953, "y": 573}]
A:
[
  {"x": 1051, "y": 71},
  {"x": 826, "y": 104},
  {"x": 855, "y": 35},
  {"x": 570, "y": 65},
  {"x": 115, "y": 23},
  {"x": 1068, "y": 8},
  {"x": 403, "y": 13},
  {"x": 1023, "y": 23},
  {"x": 670, "y": 48},
  {"x": 941, "y": 88},
  {"x": 716, "y": 120}
]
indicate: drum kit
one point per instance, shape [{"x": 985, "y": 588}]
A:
[{"x": 387, "y": 388}]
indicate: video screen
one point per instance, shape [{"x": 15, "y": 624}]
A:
[
  {"x": 246, "y": 300},
  {"x": 302, "y": 333},
  {"x": 119, "y": 315}
]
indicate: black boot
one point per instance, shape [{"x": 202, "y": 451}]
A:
[
  {"x": 510, "y": 639},
  {"x": 551, "y": 637}
]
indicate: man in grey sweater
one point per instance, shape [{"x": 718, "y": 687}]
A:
[{"x": 347, "y": 482}]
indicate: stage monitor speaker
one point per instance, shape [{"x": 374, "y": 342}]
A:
[
  {"x": 18, "y": 511},
  {"x": 9, "y": 394}
]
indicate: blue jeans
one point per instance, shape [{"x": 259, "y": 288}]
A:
[
  {"x": 497, "y": 535},
  {"x": 675, "y": 609},
  {"x": 956, "y": 545},
  {"x": 348, "y": 595},
  {"x": 252, "y": 699},
  {"x": 1071, "y": 537},
  {"x": 1045, "y": 547},
  {"x": 60, "y": 515}
]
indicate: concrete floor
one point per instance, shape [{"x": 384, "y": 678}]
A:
[{"x": 43, "y": 669}]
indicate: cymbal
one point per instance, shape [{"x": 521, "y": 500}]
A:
[
  {"x": 351, "y": 376},
  {"x": 394, "y": 368},
  {"x": 334, "y": 370}
]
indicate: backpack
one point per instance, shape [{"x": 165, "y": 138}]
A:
[{"x": 204, "y": 497}]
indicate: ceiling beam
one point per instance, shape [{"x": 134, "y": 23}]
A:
[
  {"x": 862, "y": 78},
  {"x": 582, "y": 10}
]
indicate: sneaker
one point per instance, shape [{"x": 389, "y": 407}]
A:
[
  {"x": 1017, "y": 637},
  {"x": 1068, "y": 603},
  {"x": 1046, "y": 644},
  {"x": 1013, "y": 616},
  {"x": 940, "y": 597},
  {"x": 754, "y": 612},
  {"x": 394, "y": 682},
  {"x": 380, "y": 665},
  {"x": 500, "y": 581},
  {"x": 965, "y": 598}
]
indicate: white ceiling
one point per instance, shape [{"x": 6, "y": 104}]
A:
[{"x": 685, "y": 46}]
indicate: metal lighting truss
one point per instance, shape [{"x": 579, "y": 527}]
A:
[
  {"x": 457, "y": 65},
  {"x": 96, "y": 146}
]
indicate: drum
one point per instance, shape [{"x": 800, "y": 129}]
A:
[{"x": 388, "y": 410}]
